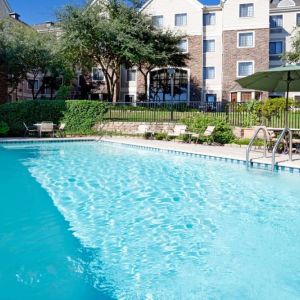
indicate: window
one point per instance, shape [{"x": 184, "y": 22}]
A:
[
  {"x": 245, "y": 68},
  {"x": 246, "y": 10},
  {"x": 209, "y": 19},
  {"x": 183, "y": 46},
  {"x": 97, "y": 74},
  {"x": 158, "y": 21},
  {"x": 131, "y": 75},
  {"x": 211, "y": 99},
  {"x": 209, "y": 46},
  {"x": 298, "y": 20},
  {"x": 160, "y": 87},
  {"x": 245, "y": 39},
  {"x": 129, "y": 98},
  {"x": 276, "y": 21},
  {"x": 180, "y": 19},
  {"x": 209, "y": 72},
  {"x": 276, "y": 48},
  {"x": 33, "y": 83},
  {"x": 246, "y": 96}
]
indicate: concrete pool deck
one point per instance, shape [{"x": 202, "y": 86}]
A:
[{"x": 227, "y": 152}]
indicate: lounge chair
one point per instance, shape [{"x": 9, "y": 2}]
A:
[
  {"x": 208, "y": 133},
  {"x": 144, "y": 130},
  {"x": 61, "y": 130},
  {"x": 177, "y": 131},
  {"x": 30, "y": 130},
  {"x": 47, "y": 127}
]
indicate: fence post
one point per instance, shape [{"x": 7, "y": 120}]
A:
[
  {"x": 227, "y": 112},
  {"x": 172, "y": 112}
]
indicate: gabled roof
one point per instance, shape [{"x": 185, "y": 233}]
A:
[
  {"x": 196, "y": 3},
  {"x": 5, "y": 9},
  {"x": 284, "y": 3}
]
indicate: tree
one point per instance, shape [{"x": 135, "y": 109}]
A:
[
  {"x": 28, "y": 55},
  {"x": 294, "y": 55},
  {"x": 111, "y": 34}
]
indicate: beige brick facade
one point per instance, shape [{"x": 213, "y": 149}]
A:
[
  {"x": 195, "y": 65},
  {"x": 259, "y": 54}
]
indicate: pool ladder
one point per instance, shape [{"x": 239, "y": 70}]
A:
[{"x": 266, "y": 134}]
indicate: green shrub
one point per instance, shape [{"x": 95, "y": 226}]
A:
[
  {"x": 4, "y": 129},
  {"x": 222, "y": 134},
  {"x": 63, "y": 92},
  {"x": 160, "y": 136},
  {"x": 246, "y": 142},
  {"x": 79, "y": 115}
]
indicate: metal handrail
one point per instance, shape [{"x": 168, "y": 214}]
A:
[
  {"x": 264, "y": 129},
  {"x": 282, "y": 135}
]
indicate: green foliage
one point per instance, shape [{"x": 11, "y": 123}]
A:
[
  {"x": 4, "y": 129},
  {"x": 63, "y": 92},
  {"x": 161, "y": 136},
  {"x": 271, "y": 108},
  {"x": 245, "y": 142},
  {"x": 252, "y": 110},
  {"x": 111, "y": 34},
  {"x": 222, "y": 134},
  {"x": 79, "y": 116},
  {"x": 27, "y": 54}
]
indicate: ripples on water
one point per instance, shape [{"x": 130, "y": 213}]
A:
[{"x": 162, "y": 226}]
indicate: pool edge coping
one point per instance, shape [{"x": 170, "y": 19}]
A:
[{"x": 257, "y": 165}]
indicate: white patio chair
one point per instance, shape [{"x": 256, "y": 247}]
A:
[
  {"x": 177, "y": 131},
  {"x": 47, "y": 127},
  {"x": 30, "y": 130}
]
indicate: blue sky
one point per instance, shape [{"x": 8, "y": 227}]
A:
[{"x": 39, "y": 11}]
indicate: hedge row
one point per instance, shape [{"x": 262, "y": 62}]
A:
[{"x": 79, "y": 115}]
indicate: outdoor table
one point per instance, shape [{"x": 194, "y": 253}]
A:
[{"x": 38, "y": 127}]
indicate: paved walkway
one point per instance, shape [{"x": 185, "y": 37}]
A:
[{"x": 232, "y": 152}]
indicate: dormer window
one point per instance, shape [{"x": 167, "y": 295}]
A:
[
  {"x": 158, "y": 21},
  {"x": 247, "y": 10},
  {"x": 180, "y": 20}
]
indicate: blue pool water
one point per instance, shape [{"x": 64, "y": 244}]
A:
[{"x": 91, "y": 221}]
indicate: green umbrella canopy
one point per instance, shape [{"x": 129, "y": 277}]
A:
[{"x": 274, "y": 80}]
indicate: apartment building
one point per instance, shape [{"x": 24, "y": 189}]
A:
[
  {"x": 5, "y": 10},
  {"x": 227, "y": 41}
]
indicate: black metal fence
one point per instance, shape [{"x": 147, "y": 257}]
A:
[{"x": 236, "y": 114}]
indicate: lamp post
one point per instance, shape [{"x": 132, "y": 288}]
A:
[{"x": 171, "y": 73}]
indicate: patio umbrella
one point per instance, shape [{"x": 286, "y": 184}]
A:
[{"x": 281, "y": 79}]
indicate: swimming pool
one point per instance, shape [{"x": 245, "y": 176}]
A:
[{"x": 94, "y": 221}]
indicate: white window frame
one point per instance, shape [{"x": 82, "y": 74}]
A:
[
  {"x": 243, "y": 32},
  {"x": 244, "y": 61},
  {"x": 243, "y": 17},
  {"x": 209, "y": 13},
  {"x": 187, "y": 46},
  {"x": 181, "y": 14},
  {"x": 128, "y": 70},
  {"x": 204, "y": 73},
  {"x": 29, "y": 86},
  {"x": 158, "y": 16},
  {"x": 209, "y": 39},
  {"x": 93, "y": 74}
]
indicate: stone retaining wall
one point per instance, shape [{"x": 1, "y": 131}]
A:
[{"x": 132, "y": 127}]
